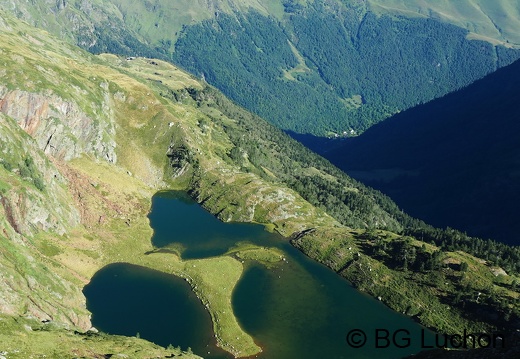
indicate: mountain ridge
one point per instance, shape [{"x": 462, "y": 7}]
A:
[{"x": 496, "y": 21}]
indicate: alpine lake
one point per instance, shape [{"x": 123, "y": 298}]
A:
[{"x": 295, "y": 308}]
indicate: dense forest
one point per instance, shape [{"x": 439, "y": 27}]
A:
[
  {"x": 294, "y": 74},
  {"x": 245, "y": 59}
]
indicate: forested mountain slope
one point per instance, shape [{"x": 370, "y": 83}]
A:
[
  {"x": 320, "y": 67},
  {"x": 161, "y": 20},
  {"x": 326, "y": 70},
  {"x": 453, "y": 161}
]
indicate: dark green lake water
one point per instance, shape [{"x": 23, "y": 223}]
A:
[{"x": 298, "y": 309}]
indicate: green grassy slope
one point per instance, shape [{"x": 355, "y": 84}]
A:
[
  {"x": 172, "y": 131},
  {"x": 491, "y": 20},
  {"x": 161, "y": 20}
]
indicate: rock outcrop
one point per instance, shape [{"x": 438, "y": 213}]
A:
[
  {"x": 33, "y": 285},
  {"x": 60, "y": 127}
]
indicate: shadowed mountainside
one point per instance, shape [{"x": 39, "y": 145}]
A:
[{"x": 453, "y": 162}]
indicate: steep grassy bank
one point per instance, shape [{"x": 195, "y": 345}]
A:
[
  {"x": 23, "y": 338},
  {"x": 447, "y": 291}
]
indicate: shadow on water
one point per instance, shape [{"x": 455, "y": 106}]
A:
[
  {"x": 297, "y": 309},
  {"x": 181, "y": 223},
  {"x": 130, "y": 300},
  {"x": 301, "y": 309}
]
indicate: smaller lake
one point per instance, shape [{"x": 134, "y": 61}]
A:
[
  {"x": 298, "y": 309},
  {"x": 130, "y": 300}
]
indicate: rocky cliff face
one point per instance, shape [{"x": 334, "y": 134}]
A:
[
  {"x": 27, "y": 208},
  {"x": 60, "y": 127},
  {"x": 34, "y": 285},
  {"x": 46, "y": 118}
]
